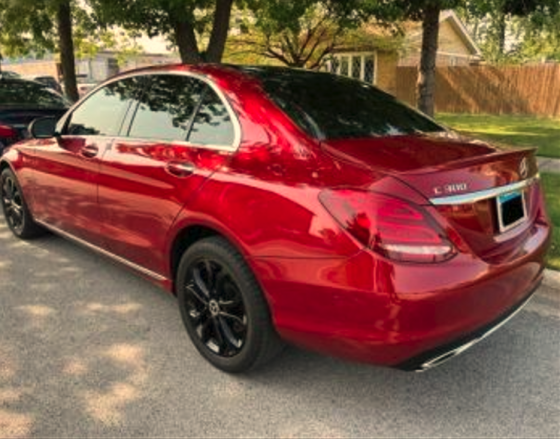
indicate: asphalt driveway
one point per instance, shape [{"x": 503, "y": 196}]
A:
[{"x": 89, "y": 349}]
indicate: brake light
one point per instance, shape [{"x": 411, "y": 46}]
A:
[
  {"x": 7, "y": 132},
  {"x": 390, "y": 226},
  {"x": 8, "y": 135}
]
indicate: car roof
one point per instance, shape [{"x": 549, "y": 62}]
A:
[
  {"x": 246, "y": 74},
  {"x": 20, "y": 81}
]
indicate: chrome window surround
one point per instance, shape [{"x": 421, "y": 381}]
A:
[
  {"x": 233, "y": 116},
  {"x": 473, "y": 197}
]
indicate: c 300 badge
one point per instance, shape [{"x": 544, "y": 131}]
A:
[{"x": 452, "y": 188}]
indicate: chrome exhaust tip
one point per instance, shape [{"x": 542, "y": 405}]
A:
[
  {"x": 435, "y": 357},
  {"x": 436, "y": 361}
]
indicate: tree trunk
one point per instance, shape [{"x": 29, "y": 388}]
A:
[
  {"x": 501, "y": 34},
  {"x": 427, "y": 71},
  {"x": 66, "y": 48},
  {"x": 220, "y": 30},
  {"x": 186, "y": 41}
]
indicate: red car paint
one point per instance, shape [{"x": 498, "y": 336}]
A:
[{"x": 327, "y": 290}]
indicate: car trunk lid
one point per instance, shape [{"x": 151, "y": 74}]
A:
[{"x": 466, "y": 184}]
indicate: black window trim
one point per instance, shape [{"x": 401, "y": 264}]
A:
[
  {"x": 234, "y": 146},
  {"x": 126, "y": 122}
]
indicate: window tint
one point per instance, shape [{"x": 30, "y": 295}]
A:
[
  {"x": 28, "y": 93},
  {"x": 102, "y": 113},
  {"x": 212, "y": 124},
  {"x": 166, "y": 109},
  {"x": 332, "y": 107}
]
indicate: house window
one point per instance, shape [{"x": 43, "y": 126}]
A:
[
  {"x": 360, "y": 66},
  {"x": 369, "y": 69},
  {"x": 356, "y": 67},
  {"x": 343, "y": 69}
]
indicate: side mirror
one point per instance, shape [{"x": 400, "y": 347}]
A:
[{"x": 43, "y": 128}]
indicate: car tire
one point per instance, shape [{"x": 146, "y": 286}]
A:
[
  {"x": 223, "y": 308},
  {"x": 17, "y": 214}
]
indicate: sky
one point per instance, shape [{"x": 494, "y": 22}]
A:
[{"x": 153, "y": 45}]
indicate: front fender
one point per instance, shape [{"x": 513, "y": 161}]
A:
[{"x": 19, "y": 158}]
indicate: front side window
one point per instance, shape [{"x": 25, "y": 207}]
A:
[
  {"x": 103, "y": 112},
  {"x": 166, "y": 109}
]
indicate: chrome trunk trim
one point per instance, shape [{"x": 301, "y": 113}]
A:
[{"x": 473, "y": 197}]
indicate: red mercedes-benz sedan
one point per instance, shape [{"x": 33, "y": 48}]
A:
[{"x": 287, "y": 205}]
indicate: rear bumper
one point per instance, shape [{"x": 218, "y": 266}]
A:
[
  {"x": 370, "y": 310},
  {"x": 439, "y": 355}
]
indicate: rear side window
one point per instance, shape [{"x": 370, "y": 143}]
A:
[
  {"x": 166, "y": 108},
  {"x": 331, "y": 107},
  {"x": 103, "y": 112},
  {"x": 31, "y": 94},
  {"x": 212, "y": 124}
]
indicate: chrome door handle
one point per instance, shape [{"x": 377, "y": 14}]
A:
[
  {"x": 89, "y": 151},
  {"x": 180, "y": 169}
]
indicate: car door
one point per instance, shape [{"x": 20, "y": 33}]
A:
[
  {"x": 182, "y": 131},
  {"x": 66, "y": 167}
]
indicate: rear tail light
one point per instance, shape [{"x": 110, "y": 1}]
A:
[
  {"x": 8, "y": 135},
  {"x": 390, "y": 226}
]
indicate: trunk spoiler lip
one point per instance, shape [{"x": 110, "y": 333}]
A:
[
  {"x": 473, "y": 197},
  {"x": 499, "y": 152},
  {"x": 483, "y": 159}
]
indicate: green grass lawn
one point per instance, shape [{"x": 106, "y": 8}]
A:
[
  {"x": 551, "y": 184},
  {"x": 509, "y": 130}
]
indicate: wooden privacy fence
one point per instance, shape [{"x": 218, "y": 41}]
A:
[{"x": 531, "y": 90}]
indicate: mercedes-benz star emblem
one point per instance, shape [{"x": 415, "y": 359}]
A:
[{"x": 523, "y": 168}]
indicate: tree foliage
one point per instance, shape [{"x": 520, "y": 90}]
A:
[
  {"x": 303, "y": 33},
  {"x": 63, "y": 27},
  {"x": 538, "y": 38},
  {"x": 185, "y": 23},
  {"x": 40, "y": 26},
  {"x": 27, "y": 26},
  {"x": 515, "y": 31}
]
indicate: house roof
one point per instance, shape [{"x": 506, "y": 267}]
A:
[
  {"x": 376, "y": 37},
  {"x": 415, "y": 31}
]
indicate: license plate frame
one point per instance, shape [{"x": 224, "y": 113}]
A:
[{"x": 509, "y": 197}]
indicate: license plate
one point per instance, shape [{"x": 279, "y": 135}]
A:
[{"x": 512, "y": 210}]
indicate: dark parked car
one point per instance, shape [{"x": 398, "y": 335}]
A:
[
  {"x": 285, "y": 204},
  {"x": 49, "y": 81},
  {"x": 7, "y": 74},
  {"x": 22, "y": 101}
]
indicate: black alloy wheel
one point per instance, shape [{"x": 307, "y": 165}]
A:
[
  {"x": 223, "y": 308},
  {"x": 215, "y": 307},
  {"x": 15, "y": 209},
  {"x": 12, "y": 203}
]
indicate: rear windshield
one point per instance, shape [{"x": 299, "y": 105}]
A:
[
  {"x": 29, "y": 94},
  {"x": 334, "y": 107}
]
